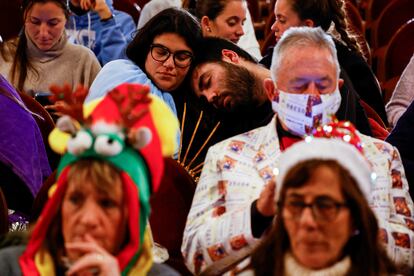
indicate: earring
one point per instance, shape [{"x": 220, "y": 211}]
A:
[{"x": 208, "y": 29}]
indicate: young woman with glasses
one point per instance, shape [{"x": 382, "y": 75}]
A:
[
  {"x": 160, "y": 55},
  {"x": 324, "y": 224}
]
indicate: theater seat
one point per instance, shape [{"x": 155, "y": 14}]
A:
[
  {"x": 169, "y": 209},
  {"x": 45, "y": 124},
  {"x": 42, "y": 197},
  {"x": 378, "y": 127},
  {"x": 394, "y": 15},
  {"x": 11, "y": 21},
  {"x": 396, "y": 57},
  {"x": 374, "y": 9},
  {"x": 4, "y": 217},
  {"x": 132, "y": 7}
]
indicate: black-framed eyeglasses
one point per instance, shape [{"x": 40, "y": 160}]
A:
[
  {"x": 161, "y": 53},
  {"x": 324, "y": 209}
]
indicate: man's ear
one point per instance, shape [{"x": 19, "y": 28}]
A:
[
  {"x": 205, "y": 24},
  {"x": 269, "y": 88},
  {"x": 230, "y": 56},
  {"x": 309, "y": 23},
  {"x": 340, "y": 83}
]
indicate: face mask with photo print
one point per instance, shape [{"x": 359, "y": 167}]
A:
[{"x": 301, "y": 113}]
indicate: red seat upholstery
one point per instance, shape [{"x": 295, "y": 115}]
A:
[
  {"x": 4, "y": 216},
  {"x": 42, "y": 197},
  {"x": 379, "y": 129},
  {"x": 169, "y": 210},
  {"x": 396, "y": 57},
  {"x": 11, "y": 21},
  {"x": 395, "y": 14},
  {"x": 374, "y": 9},
  {"x": 45, "y": 124},
  {"x": 132, "y": 7},
  {"x": 254, "y": 9},
  {"x": 270, "y": 19}
]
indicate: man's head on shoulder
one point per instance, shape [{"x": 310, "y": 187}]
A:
[
  {"x": 305, "y": 83},
  {"x": 223, "y": 75}
]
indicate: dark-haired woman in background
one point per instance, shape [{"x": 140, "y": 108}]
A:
[
  {"x": 41, "y": 55},
  {"x": 324, "y": 224},
  {"x": 324, "y": 14}
]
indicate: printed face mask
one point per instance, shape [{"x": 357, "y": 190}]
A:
[{"x": 301, "y": 113}]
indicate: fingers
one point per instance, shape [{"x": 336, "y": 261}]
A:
[
  {"x": 95, "y": 260},
  {"x": 83, "y": 247},
  {"x": 266, "y": 202},
  {"x": 96, "y": 264},
  {"x": 90, "y": 262},
  {"x": 269, "y": 191},
  {"x": 85, "y": 4},
  {"x": 271, "y": 186},
  {"x": 99, "y": 6}
]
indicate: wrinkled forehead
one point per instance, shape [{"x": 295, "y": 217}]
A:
[
  {"x": 308, "y": 54},
  {"x": 303, "y": 62}
]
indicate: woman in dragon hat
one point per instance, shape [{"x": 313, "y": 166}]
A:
[{"x": 95, "y": 222}]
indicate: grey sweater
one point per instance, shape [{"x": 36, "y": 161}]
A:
[
  {"x": 403, "y": 94},
  {"x": 63, "y": 63}
]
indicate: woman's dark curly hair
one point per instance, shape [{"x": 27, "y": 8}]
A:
[
  {"x": 368, "y": 255},
  {"x": 325, "y": 12}
]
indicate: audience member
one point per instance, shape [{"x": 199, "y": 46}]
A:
[
  {"x": 229, "y": 19},
  {"x": 160, "y": 55},
  {"x": 153, "y": 7},
  {"x": 247, "y": 40},
  {"x": 325, "y": 225},
  {"x": 23, "y": 160},
  {"x": 233, "y": 203},
  {"x": 230, "y": 80},
  {"x": 402, "y": 96},
  {"x": 402, "y": 137},
  {"x": 95, "y": 221},
  {"x": 101, "y": 28},
  {"x": 324, "y": 14},
  {"x": 41, "y": 55}
]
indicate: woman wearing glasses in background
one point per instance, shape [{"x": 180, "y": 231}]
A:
[
  {"x": 324, "y": 226},
  {"x": 160, "y": 55}
]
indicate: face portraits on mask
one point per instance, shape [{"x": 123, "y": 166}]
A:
[{"x": 301, "y": 113}]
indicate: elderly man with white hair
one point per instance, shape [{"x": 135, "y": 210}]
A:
[{"x": 234, "y": 201}]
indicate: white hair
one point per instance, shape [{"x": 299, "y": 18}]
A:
[{"x": 298, "y": 38}]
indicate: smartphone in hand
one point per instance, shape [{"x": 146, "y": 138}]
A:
[{"x": 43, "y": 98}]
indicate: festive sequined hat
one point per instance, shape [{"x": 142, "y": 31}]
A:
[
  {"x": 336, "y": 141},
  {"x": 128, "y": 128}
]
